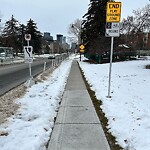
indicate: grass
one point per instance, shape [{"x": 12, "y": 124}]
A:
[
  {"x": 104, "y": 121},
  {"x": 148, "y": 67}
]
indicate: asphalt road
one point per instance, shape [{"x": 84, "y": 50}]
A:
[{"x": 14, "y": 75}]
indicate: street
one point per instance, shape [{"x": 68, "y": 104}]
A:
[{"x": 14, "y": 75}]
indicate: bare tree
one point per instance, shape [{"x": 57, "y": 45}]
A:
[
  {"x": 139, "y": 22},
  {"x": 142, "y": 19},
  {"x": 134, "y": 26},
  {"x": 74, "y": 29},
  {"x": 0, "y": 23},
  {"x": 127, "y": 25}
]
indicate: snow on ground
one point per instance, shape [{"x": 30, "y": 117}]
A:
[
  {"x": 30, "y": 127},
  {"x": 128, "y": 111}
]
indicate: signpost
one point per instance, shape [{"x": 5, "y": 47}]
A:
[
  {"x": 113, "y": 15},
  {"x": 28, "y": 55},
  {"x": 81, "y": 50}
]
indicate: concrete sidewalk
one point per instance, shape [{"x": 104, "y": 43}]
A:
[{"x": 77, "y": 126}]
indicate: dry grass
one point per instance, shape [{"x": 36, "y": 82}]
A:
[
  {"x": 148, "y": 67},
  {"x": 8, "y": 105}
]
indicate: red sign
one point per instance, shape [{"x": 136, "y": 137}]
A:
[{"x": 27, "y": 37}]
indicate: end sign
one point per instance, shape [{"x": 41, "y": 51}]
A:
[{"x": 113, "y": 13}]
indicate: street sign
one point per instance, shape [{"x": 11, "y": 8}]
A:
[
  {"x": 82, "y": 46},
  {"x": 113, "y": 13},
  {"x": 112, "y": 29},
  {"x": 28, "y": 54},
  {"x": 81, "y": 50},
  {"x": 27, "y": 37}
]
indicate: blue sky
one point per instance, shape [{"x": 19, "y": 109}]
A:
[{"x": 55, "y": 16}]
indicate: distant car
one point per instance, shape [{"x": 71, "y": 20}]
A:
[{"x": 51, "y": 56}]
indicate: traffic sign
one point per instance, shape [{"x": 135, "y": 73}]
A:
[
  {"x": 81, "y": 50},
  {"x": 112, "y": 29},
  {"x": 113, "y": 13},
  {"x": 82, "y": 46},
  {"x": 28, "y": 54},
  {"x": 27, "y": 37}
]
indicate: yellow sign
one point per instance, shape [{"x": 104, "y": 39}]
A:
[
  {"x": 113, "y": 13},
  {"x": 81, "y": 50},
  {"x": 82, "y": 46}
]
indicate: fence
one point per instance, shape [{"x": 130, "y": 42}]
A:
[{"x": 6, "y": 55}]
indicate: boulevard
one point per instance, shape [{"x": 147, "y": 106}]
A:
[{"x": 16, "y": 74}]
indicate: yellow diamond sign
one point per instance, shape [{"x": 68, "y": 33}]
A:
[
  {"x": 82, "y": 46},
  {"x": 113, "y": 13}
]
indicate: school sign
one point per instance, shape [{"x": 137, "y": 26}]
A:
[{"x": 113, "y": 13}]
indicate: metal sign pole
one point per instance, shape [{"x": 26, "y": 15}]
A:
[
  {"x": 112, "y": 29},
  {"x": 110, "y": 68},
  {"x": 28, "y": 58},
  {"x": 80, "y": 56},
  {"x": 30, "y": 72},
  {"x": 81, "y": 50},
  {"x": 27, "y": 42}
]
